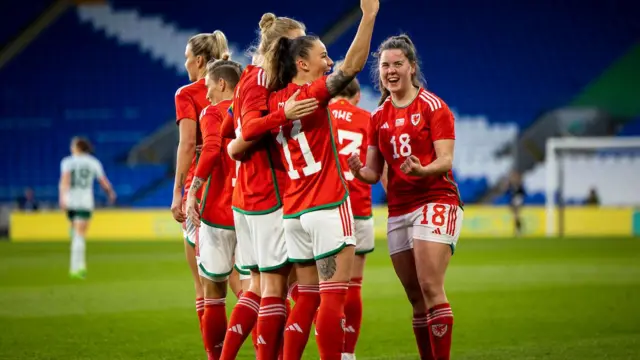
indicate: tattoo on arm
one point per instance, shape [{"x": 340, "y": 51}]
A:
[
  {"x": 197, "y": 183},
  {"x": 337, "y": 81},
  {"x": 326, "y": 267}
]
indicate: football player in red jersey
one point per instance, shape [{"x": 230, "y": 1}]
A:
[
  {"x": 318, "y": 220},
  {"x": 257, "y": 206},
  {"x": 190, "y": 101},
  {"x": 353, "y": 123},
  {"x": 413, "y": 131},
  {"x": 216, "y": 240}
]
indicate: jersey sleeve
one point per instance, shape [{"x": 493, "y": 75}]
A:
[
  {"x": 441, "y": 124},
  {"x": 318, "y": 89},
  {"x": 227, "y": 130},
  {"x": 65, "y": 165},
  {"x": 254, "y": 98},
  {"x": 210, "y": 125},
  {"x": 185, "y": 107},
  {"x": 255, "y": 124},
  {"x": 372, "y": 131},
  {"x": 98, "y": 169}
]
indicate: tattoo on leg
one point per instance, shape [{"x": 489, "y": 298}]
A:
[{"x": 326, "y": 267}]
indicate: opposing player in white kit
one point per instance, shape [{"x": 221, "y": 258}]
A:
[{"x": 78, "y": 172}]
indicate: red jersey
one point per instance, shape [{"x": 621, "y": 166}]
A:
[
  {"x": 353, "y": 124},
  {"x": 256, "y": 190},
  {"x": 190, "y": 101},
  {"x": 308, "y": 150},
  {"x": 217, "y": 167},
  {"x": 401, "y": 132}
]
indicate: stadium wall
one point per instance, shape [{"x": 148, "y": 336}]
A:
[{"x": 479, "y": 222}]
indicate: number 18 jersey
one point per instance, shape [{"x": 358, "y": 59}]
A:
[
  {"x": 308, "y": 151},
  {"x": 411, "y": 130}
]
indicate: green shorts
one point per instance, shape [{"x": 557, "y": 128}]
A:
[{"x": 78, "y": 215}]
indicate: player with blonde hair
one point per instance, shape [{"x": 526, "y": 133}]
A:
[
  {"x": 318, "y": 221},
  {"x": 257, "y": 205},
  {"x": 190, "y": 100}
]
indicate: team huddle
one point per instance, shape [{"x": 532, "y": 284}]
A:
[{"x": 273, "y": 176}]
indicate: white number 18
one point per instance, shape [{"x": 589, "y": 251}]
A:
[{"x": 405, "y": 146}]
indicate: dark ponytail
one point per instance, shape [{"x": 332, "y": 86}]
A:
[{"x": 280, "y": 60}]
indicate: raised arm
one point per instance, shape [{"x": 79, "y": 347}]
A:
[{"x": 356, "y": 57}]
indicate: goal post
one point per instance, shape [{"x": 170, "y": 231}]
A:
[{"x": 554, "y": 170}]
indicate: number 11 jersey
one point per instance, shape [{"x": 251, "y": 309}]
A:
[
  {"x": 308, "y": 149},
  {"x": 399, "y": 132}
]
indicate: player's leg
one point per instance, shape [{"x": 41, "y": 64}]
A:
[
  {"x": 80, "y": 224},
  {"x": 245, "y": 313},
  {"x": 214, "y": 253},
  {"x": 515, "y": 209},
  {"x": 268, "y": 239},
  {"x": 436, "y": 230},
  {"x": 190, "y": 234},
  {"x": 332, "y": 232},
  {"x": 353, "y": 307},
  {"x": 299, "y": 322},
  {"x": 399, "y": 240}
]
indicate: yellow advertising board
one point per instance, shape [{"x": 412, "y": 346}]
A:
[
  {"x": 111, "y": 225},
  {"x": 497, "y": 221},
  {"x": 479, "y": 221}
]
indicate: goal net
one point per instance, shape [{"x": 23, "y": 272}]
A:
[{"x": 589, "y": 168}]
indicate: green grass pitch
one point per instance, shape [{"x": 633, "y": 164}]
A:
[{"x": 512, "y": 299}]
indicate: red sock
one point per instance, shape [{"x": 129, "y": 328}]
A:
[
  {"x": 287, "y": 304},
  {"x": 298, "y": 326},
  {"x": 214, "y": 326},
  {"x": 421, "y": 332},
  {"x": 239, "y": 294},
  {"x": 293, "y": 292},
  {"x": 330, "y": 323},
  {"x": 353, "y": 315},
  {"x": 242, "y": 321},
  {"x": 200, "y": 312},
  {"x": 254, "y": 338},
  {"x": 440, "y": 320},
  {"x": 271, "y": 319}
]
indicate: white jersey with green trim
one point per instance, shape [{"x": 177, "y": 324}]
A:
[{"x": 83, "y": 170}]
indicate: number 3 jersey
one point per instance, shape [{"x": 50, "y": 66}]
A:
[
  {"x": 353, "y": 124},
  {"x": 83, "y": 170},
  {"x": 411, "y": 130},
  {"x": 308, "y": 149}
]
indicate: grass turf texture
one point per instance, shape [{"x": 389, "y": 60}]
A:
[{"x": 512, "y": 299}]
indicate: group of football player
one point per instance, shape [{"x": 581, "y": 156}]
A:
[{"x": 273, "y": 175}]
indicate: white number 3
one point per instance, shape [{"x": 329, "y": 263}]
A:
[{"x": 405, "y": 146}]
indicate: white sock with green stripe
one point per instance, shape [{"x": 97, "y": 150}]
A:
[{"x": 77, "y": 253}]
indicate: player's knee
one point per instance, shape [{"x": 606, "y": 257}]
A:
[
  {"x": 431, "y": 287},
  {"x": 273, "y": 285},
  {"x": 215, "y": 287}
]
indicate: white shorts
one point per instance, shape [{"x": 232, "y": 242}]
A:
[
  {"x": 432, "y": 222},
  {"x": 261, "y": 242},
  {"x": 244, "y": 274},
  {"x": 319, "y": 234},
  {"x": 215, "y": 252},
  {"x": 189, "y": 232},
  {"x": 365, "y": 240}
]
